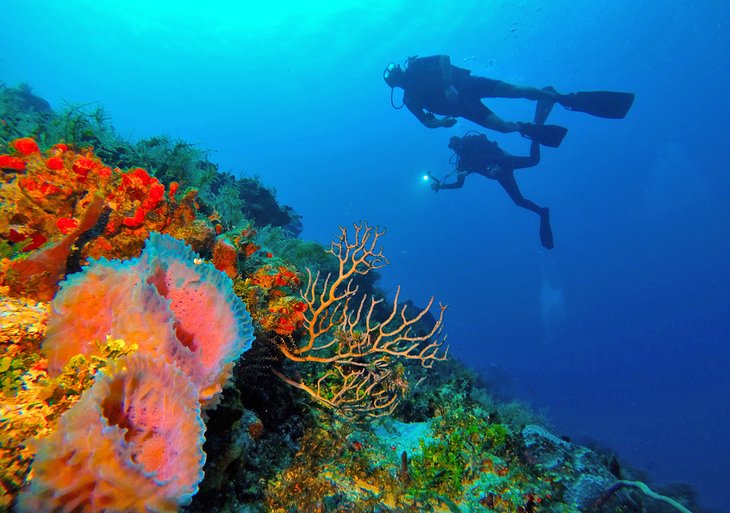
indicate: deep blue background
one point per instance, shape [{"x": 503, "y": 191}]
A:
[{"x": 621, "y": 331}]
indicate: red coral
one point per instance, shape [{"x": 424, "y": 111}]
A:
[
  {"x": 37, "y": 240},
  {"x": 25, "y": 145},
  {"x": 66, "y": 224},
  {"x": 59, "y": 148},
  {"x": 154, "y": 196},
  {"x": 82, "y": 166},
  {"x": 15, "y": 236},
  {"x": 55, "y": 163},
  {"x": 136, "y": 220},
  {"x": 9, "y": 162}
]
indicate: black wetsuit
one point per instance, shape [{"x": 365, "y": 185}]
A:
[
  {"x": 425, "y": 83},
  {"x": 477, "y": 154}
]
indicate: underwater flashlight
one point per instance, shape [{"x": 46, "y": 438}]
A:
[{"x": 428, "y": 176}]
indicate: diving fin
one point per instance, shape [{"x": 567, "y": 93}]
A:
[
  {"x": 547, "y": 135},
  {"x": 604, "y": 104},
  {"x": 546, "y": 233}
]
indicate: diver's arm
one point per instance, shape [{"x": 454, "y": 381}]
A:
[
  {"x": 460, "y": 178},
  {"x": 428, "y": 119}
]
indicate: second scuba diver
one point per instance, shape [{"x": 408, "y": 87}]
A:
[{"x": 477, "y": 154}]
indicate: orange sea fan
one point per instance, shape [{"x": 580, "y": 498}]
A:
[{"x": 132, "y": 443}]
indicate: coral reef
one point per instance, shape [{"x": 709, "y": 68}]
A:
[
  {"x": 53, "y": 203},
  {"x": 32, "y": 401},
  {"x": 235, "y": 200},
  {"x": 133, "y": 442},
  {"x": 140, "y": 344}
]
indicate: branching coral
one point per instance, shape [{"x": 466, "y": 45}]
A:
[{"x": 359, "y": 352}]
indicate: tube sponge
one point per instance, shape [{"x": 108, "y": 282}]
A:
[{"x": 132, "y": 443}]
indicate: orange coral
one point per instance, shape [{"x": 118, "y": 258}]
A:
[
  {"x": 164, "y": 303},
  {"x": 107, "y": 299},
  {"x": 225, "y": 256},
  {"x": 41, "y": 271},
  {"x": 55, "y": 163},
  {"x": 43, "y": 195}
]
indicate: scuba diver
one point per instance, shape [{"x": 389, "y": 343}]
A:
[
  {"x": 477, "y": 154},
  {"x": 432, "y": 85}
]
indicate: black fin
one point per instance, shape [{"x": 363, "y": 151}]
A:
[
  {"x": 546, "y": 233},
  {"x": 604, "y": 104},
  {"x": 547, "y": 135}
]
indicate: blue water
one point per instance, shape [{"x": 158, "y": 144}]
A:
[{"x": 621, "y": 332}]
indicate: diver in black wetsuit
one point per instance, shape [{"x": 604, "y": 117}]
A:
[
  {"x": 477, "y": 154},
  {"x": 432, "y": 85}
]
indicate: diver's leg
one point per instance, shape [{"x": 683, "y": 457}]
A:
[
  {"x": 482, "y": 115},
  {"x": 509, "y": 184},
  {"x": 548, "y": 135},
  {"x": 507, "y": 90},
  {"x": 507, "y": 181}
]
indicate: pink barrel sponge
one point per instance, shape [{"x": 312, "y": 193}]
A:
[
  {"x": 165, "y": 302},
  {"x": 132, "y": 443},
  {"x": 210, "y": 321},
  {"x": 109, "y": 298}
]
